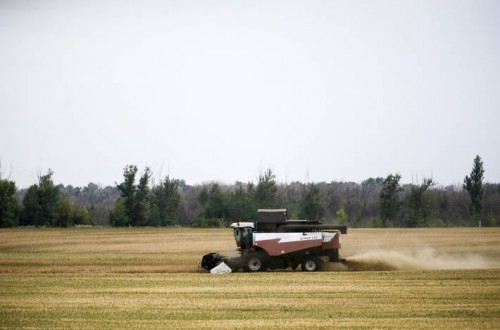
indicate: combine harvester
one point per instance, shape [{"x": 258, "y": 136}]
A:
[{"x": 275, "y": 242}]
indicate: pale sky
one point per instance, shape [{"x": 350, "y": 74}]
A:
[{"x": 220, "y": 90}]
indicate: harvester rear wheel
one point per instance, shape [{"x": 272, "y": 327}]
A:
[{"x": 310, "y": 264}]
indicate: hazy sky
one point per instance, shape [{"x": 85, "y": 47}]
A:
[{"x": 220, "y": 90}]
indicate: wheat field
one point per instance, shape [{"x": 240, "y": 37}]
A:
[{"x": 149, "y": 278}]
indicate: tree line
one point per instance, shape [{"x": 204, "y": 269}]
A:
[{"x": 140, "y": 200}]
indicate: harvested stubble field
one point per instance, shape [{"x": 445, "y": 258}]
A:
[{"x": 149, "y": 278}]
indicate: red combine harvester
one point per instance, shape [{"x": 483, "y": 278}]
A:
[{"x": 275, "y": 242}]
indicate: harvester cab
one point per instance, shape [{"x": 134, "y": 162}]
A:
[{"x": 243, "y": 234}]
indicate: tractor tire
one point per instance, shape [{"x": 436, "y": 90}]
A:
[
  {"x": 256, "y": 262},
  {"x": 310, "y": 264}
]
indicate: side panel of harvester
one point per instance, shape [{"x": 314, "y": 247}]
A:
[{"x": 276, "y": 244}]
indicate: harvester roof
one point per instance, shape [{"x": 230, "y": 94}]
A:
[{"x": 242, "y": 224}]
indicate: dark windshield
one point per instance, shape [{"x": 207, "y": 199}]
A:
[{"x": 243, "y": 237}]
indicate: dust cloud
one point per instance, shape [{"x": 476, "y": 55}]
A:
[{"x": 423, "y": 259}]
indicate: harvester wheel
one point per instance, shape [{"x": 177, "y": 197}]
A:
[
  {"x": 310, "y": 264},
  {"x": 255, "y": 263}
]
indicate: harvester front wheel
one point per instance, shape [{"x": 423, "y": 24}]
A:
[
  {"x": 310, "y": 264},
  {"x": 255, "y": 263}
]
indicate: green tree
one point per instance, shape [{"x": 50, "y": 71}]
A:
[
  {"x": 390, "y": 202},
  {"x": 203, "y": 196},
  {"x": 166, "y": 201},
  {"x": 216, "y": 207},
  {"x": 289, "y": 196},
  {"x": 118, "y": 215},
  {"x": 215, "y": 204},
  {"x": 312, "y": 206},
  {"x": 367, "y": 201},
  {"x": 82, "y": 216},
  {"x": 474, "y": 186},
  {"x": 341, "y": 216},
  {"x": 41, "y": 202},
  {"x": 9, "y": 206},
  {"x": 64, "y": 213},
  {"x": 265, "y": 192},
  {"x": 127, "y": 189},
  {"x": 134, "y": 197},
  {"x": 141, "y": 206},
  {"x": 420, "y": 204},
  {"x": 241, "y": 205},
  {"x": 31, "y": 209}
]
